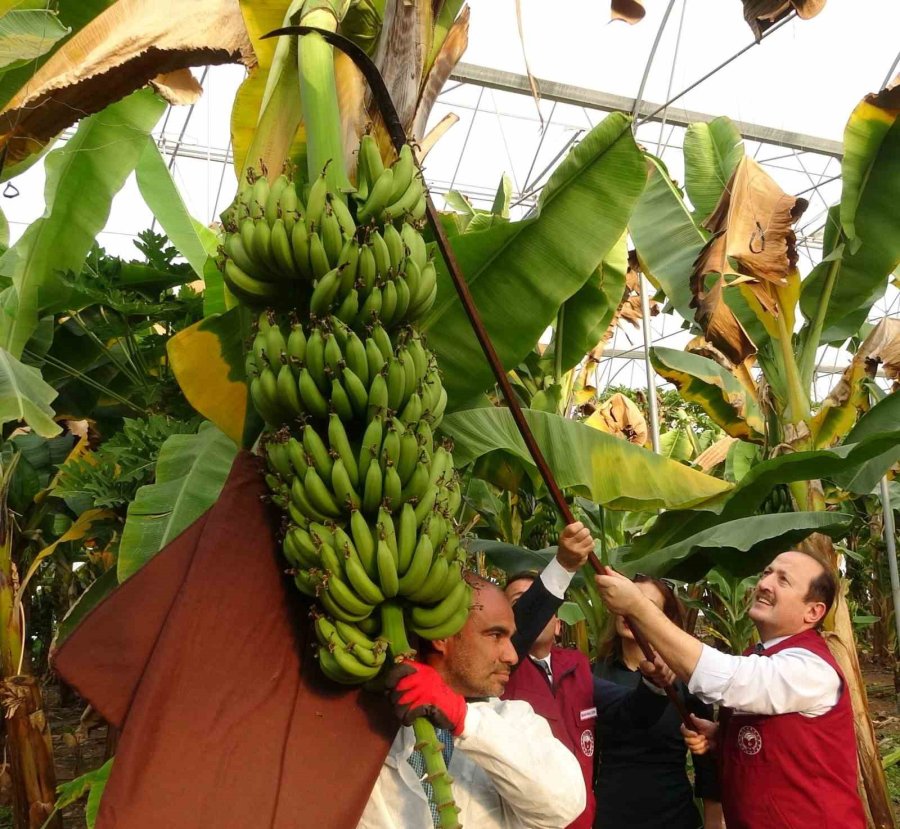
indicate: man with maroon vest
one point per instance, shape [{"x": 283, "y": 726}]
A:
[
  {"x": 560, "y": 686},
  {"x": 786, "y": 741}
]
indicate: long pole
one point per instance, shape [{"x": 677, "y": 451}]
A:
[
  {"x": 395, "y": 129},
  {"x": 890, "y": 543}
]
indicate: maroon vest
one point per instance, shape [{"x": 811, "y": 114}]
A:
[
  {"x": 568, "y": 708},
  {"x": 788, "y": 771}
]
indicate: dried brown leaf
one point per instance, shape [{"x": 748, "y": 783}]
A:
[
  {"x": 179, "y": 88},
  {"x": 426, "y": 144},
  {"x": 119, "y": 51},
  {"x": 715, "y": 454},
  {"x": 624, "y": 419},
  {"x": 445, "y": 61},
  {"x": 631, "y": 11},
  {"x": 720, "y": 325},
  {"x": 761, "y": 14}
]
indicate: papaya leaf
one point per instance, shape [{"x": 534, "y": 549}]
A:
[
  {"x": 520, "y": 273},
  {"x": 588, "y": 462},
  {"x": 190, "y": 474}
]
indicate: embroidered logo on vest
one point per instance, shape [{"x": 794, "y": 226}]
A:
[
  {"x": 749, "y": 740},
  {"x": 587, "y": 742}
]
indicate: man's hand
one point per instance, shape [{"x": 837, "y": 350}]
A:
[
  {"x": 704, "y": 738},
  {"x": 575, "y": 544},
  {"x": 619, "y": 594},
  {"x": 657, "y": 672},
  {"x": 418, "y": 690}
]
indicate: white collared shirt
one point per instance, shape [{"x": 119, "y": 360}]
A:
[
  {"x": 794, "y": 680},
  {"x": 509, "y": 772}
]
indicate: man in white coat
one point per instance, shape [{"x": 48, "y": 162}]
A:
[{"x": 508, "y": 770}]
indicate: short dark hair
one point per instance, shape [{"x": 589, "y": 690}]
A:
[
  {"x": 530, "y": 575},
  {"x": 824, "y": 587}
]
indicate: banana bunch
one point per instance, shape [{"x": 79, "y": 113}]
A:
[
  {"x": 298, "y": 372},
  {"x": 280, "y": 251},
  {"x": 386, "y": 194},
  {"x": 351, "y": 570},
  {"x": 778, "y": 500},
  {"x": 346, "y": 654}
]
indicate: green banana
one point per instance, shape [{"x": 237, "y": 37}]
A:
[
  {"x": 404, "y": 168},
  {"x": 340, "y": 400},
  {"x": 429, "y": 617},
  {"x": 324, "y": 291},
  {"x": 387, "y": 570},
  {"x": 370, "y": 445},
  {"x": 320, "y": 495},
  {"x": 379, "y": 194},
  {"x": 406, "y": 538},
  {"x": 318, "y": 258},
  {"x": 288, "y": 392},
  {"x": 315, "y": 201},
  {"x": 317, "y": 450},
  {"x": 340, "y": 444},
  {"x": 281, "y": 249},
  {"x": 396, "y": 252},
  {"x": 378, "y": 396},
  {"x": 419, "y": 567},
  {"x": 372, "y": 488},
  {"x": 451, "y": 626},
  {"x": 359, "y": 580},
  {"x": 344, "y": 492},
  {"x": 315, "y": 357},
  {"x": 363, "y": 541},
  {"x": 374, "y": 358},
  {"x": 356, "y": 392},
  {"x": 248, "y": 289},
  {"x": 300, "y": 250}
]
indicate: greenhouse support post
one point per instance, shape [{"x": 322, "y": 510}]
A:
[
  {"x": 890, "y": 542},
  {"x": 651, "y": 374}
]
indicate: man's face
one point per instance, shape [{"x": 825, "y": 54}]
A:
[
  {"x": 514, "y": 591},
  {"x": 779, "y": 604},
  {"x": 478, "y": 660}
]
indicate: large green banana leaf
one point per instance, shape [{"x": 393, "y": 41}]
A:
[
  {"x": 882, "y": 417},
  {"x": 25, "y": 397},
  {"x": 606, "y": 469},
  {"x": 747, "y": 496},
  {"x": 742, "y": 547},
  {"x": 712, "y": 151},
  {"x": 72, "y": 14},
  {"x": 190, "y": 473},
  {"x": 587, "y": 314},
  {"x": 666, "y": 237},
  {"x": 82, "y": 178},
  {"x": 520, "y": 273},
  {"x": 195, "y": 242},
  {"x": 714, "y": 388},
  {"x": 864, "y": 264},
  {"x": 26, "y": 34}
]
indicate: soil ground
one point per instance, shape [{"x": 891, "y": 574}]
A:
[{"x": 77, "y": 753}]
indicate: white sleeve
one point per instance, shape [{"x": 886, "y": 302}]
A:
[
  {"x": 536, "y": 776},
  {"x": 556, "y": 578},
  {"x": 794, "y": 680}
]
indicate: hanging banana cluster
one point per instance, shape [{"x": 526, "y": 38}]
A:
[
  {"x": 778, "y": 500},
  {"x": 351, "y": 397},
  {"x": 279, "y": 251}
]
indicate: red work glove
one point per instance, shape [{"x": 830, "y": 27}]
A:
[{"x": 417, "y": 690}]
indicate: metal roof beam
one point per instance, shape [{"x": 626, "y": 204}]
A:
[{"x": 605, "y": 101}]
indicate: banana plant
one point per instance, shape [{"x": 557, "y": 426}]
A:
[{"x": 733, "y": 274}]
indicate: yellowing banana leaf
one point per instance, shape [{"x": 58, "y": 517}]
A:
[
  {"x": 882, "y": 418},
  {"x": 208, "y": 362},
  {"x": 520, "y": 273},
  {"x": 839, "y": 409},
  {"x": 863, "y": 136},
  {"x": 712, "y": 152},
  {"x": 266, "y": 113},
  {"x": 587, "y": 315},
  {"x": 721, "y": 395},
  {"x": 25, "y": 397},
  {"x": 120, "y": 50},
  {"x": 741, "y": 547},
  {"x": 79, "y": 529},
  {"x": 586, "y": 461},
  {"x": 666, "y": 237},
  {"x": 858, "y": 272},
  {"x": 162, "y": 197},
  {"x": 190, "y": 474},
  {"x": 26, "y": 34},
  {"x": 81, "y": 179}
]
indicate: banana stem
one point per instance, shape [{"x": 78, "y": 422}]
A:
[
  {"x": 437, "y": 775},
  {"x": 797, "y": 398},
  {"x": 393, "y": 629},
  {"x": 319, "y": 101}
]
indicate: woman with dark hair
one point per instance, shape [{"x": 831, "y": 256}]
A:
[{"x": 642, "y": 781}]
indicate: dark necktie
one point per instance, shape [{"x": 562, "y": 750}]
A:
[
  {"x": 759, "y": 648},
  {"x": 417, "y": 761}
]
